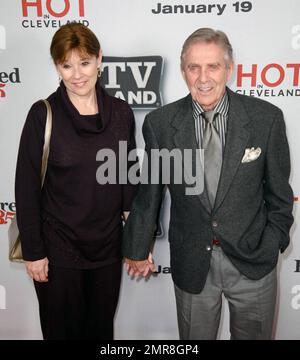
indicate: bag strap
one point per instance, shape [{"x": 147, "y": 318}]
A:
[{"x": 47, "y": 136}]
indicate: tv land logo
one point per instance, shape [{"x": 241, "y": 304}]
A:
[
  {"x": 7, "y": 212},
  {"x": 8, "y": 77},
  {"x": 268, "y": 80},
  {"x": 2, "y": 38},
  {"x": 2, "y": 298},
  {"x": 54, "y": 13},
  {"x": 134, "y": 79}
]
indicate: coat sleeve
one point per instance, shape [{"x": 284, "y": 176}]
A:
[
  {"x": 129, "y": 189},
  {"x": 141, "y": 224},
  {"x": 278, "y": 194},
  {"x": 28, "y": 183}
]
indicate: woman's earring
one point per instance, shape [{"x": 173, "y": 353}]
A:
[{"x": 99, "y": 72}]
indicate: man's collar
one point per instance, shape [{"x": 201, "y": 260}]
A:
[{"x": 221, "y": 108}]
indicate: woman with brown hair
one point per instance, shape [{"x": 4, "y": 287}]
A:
[{"x": 71, "y": 229}]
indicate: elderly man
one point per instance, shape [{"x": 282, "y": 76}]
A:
[{"x": 225, "y": 240}]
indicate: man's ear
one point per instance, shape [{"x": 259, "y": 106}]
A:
[
  {"x": 230, "y": 70},
  {"x": 183, "y": 74}
]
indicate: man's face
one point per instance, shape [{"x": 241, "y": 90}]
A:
[{"x": 206, "y": 73}]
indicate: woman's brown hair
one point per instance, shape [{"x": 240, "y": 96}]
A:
[{"x": 73, "y": 36}]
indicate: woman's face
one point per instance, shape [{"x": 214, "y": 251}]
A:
[{"x": 79, "y": 73}]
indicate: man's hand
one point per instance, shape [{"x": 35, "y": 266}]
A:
[
  {"x": 140, "y": 267},
  {"x": 38, "y": 270}
]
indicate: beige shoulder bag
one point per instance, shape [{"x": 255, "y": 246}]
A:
[{"x": 15, "y": 250}]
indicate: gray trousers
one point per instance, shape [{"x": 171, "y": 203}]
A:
[{"x": 251, "y": 303}]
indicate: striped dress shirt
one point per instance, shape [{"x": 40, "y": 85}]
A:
[{"x": 220, "y": 121}]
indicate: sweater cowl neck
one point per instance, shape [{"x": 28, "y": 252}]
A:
[{"x": 87, "y": 124}]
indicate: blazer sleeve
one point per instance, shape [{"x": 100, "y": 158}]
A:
[
  {"x": 141, "y": 223},
  {"x": 129, "y": 189},
  {"x": 28, "y": 183},
  {"x": 278, "y": 194}
]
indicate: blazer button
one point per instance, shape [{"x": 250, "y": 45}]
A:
[
  {"x": 208, "y": 247},
  {"x": 214, "y": 224}
]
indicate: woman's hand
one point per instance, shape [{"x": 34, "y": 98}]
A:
[
  {"x": 140, "y": 267},
  {"x": 38, "y": 270}
]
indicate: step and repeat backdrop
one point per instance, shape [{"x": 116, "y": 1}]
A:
[{"x": 141, "y": 41}]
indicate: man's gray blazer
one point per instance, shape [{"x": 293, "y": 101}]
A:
[{"x": 252, "y": 215}]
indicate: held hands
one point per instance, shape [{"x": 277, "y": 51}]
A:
[
  {"x": 38, "y": 270},
  {"x": 140, "y": 267}
]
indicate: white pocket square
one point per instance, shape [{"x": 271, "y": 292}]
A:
[{"x": 251, "y": 154}]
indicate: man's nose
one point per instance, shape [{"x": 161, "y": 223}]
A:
[{"x": 202, "y": 76}]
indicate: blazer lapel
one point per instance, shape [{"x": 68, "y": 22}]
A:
[
  {"x": 185, "y": 138},
  {"x": 236, "y": 142}
]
